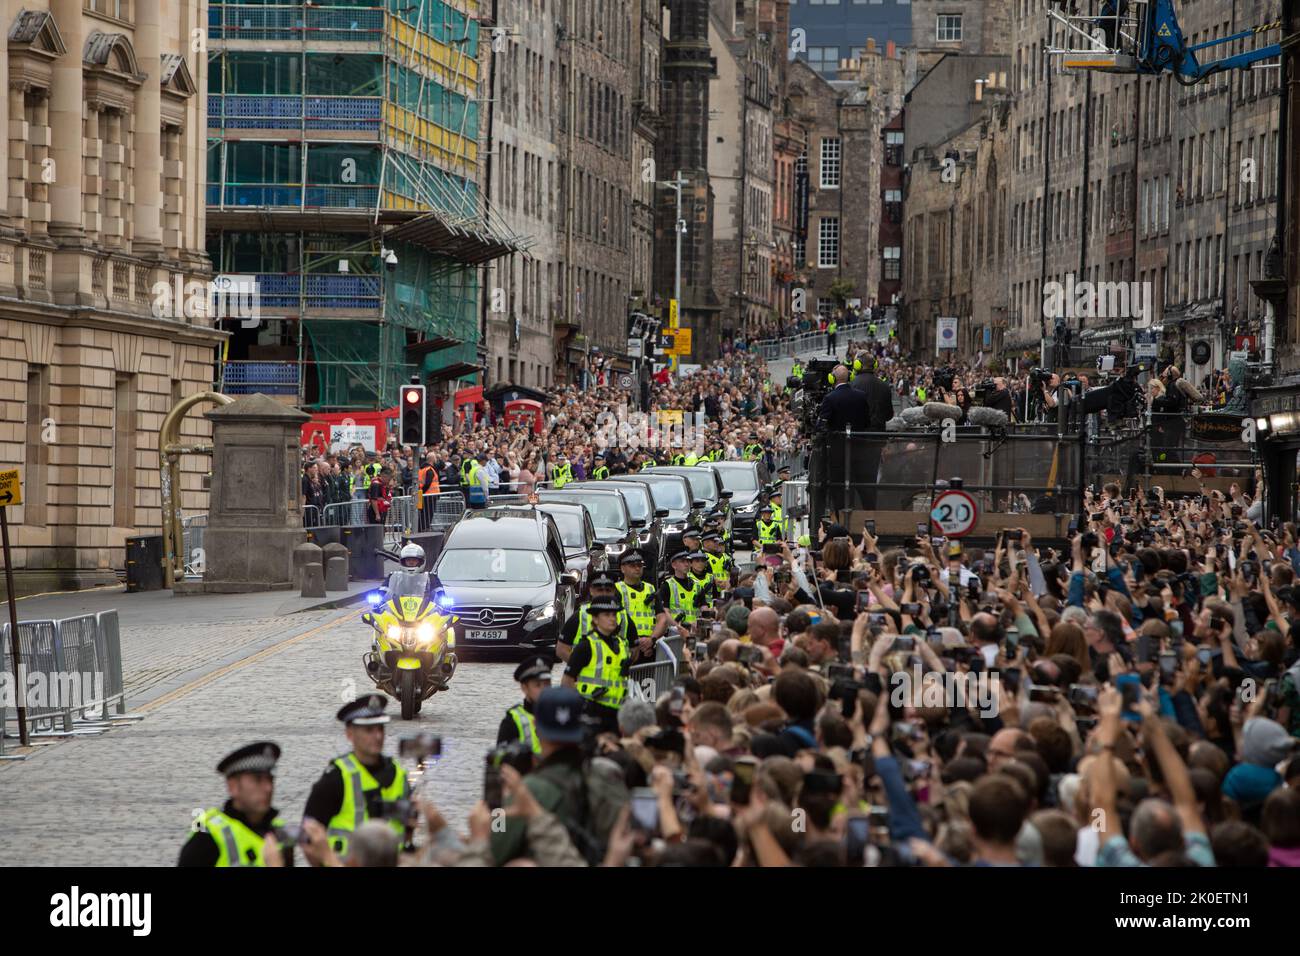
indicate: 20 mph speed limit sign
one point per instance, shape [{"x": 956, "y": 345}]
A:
[{"x": 954, "y": 513}]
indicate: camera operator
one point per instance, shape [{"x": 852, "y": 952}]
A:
[{"x": 1000, "y": 398}]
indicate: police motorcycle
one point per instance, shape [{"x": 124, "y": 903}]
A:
[{"x": 413, "y": 653}]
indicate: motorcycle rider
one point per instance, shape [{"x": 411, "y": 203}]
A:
[
  {"x": 600, "y": 587},
  {"x": 597, "y": 666},
  {"x": 243, "y": 831},
  {"x": 533, "y": 676},
  {"x": 642, "y": 603},
  {"x": 362, "y": 784}
]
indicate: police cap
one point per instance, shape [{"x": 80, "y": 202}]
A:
[
  {"x": 632, "y": 557},
  {"x": 365, "y": 711},
  {"x": 260, "y": 757},
  {"x": 602, "y": 579},
  {"x": 533, "y": 668}
]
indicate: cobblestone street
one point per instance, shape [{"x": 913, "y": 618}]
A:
[{"x": 127, "y": 796}]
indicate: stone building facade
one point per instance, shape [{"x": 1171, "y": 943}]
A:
[
  {"x": 741, "y": 167},
  {"x": 597, "y": 82},
  {"x": 104, "y": 136},
  {"x": 518, "y": 340}
]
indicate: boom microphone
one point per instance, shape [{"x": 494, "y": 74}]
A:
[
  {"x": 988, "y": 417},
  {"x": 896, "y": 424},
  {"x": 914, "y": 416},
  {"x": 939, "y": 412}
]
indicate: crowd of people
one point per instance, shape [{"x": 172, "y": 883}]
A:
[{"x": 739, "y": 404}]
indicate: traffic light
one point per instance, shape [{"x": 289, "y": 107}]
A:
[{"x": 412, "y": 402}]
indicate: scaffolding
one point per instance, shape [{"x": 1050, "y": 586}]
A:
[{"x": 345, "y": 132}]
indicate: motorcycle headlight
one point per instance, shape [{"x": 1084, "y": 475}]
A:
[
  {"x": 394, "y": 632},
  {"x": 424, "y": 632},
  {"x": 542, "y": 614}
]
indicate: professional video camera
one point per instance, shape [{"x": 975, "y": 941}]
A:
[
  {"x": 1039, "y": 377},
  {"x": 981, "y": 392},
  {"x": 814, "y": 385},
  {"x": 943, "y": 379}
]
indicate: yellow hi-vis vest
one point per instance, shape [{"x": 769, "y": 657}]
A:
[
  {"x": 681, "y": 600},
  {"x": 769, "y": 532},
  {"x": 585, "y": 623},
  {"x": 357, "y": 782},
  {"x": 561, "y": 475},
  {"x": 640, "y": 605},
  {"x": 237, "y": 845},
  {"x": 527, "y": 727},
  {"x": 603, "y": 679},
  {"x": 718, "y": 565}
]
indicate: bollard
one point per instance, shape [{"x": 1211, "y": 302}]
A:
[
  {"x": 313, "y": 581},
  {"x": 328, "y": 553},
  {"x": 336, "y": 574},
  {"x": 303, "y": 555}
]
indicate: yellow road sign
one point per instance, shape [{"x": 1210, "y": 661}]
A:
[
  {"x": 11, "y": 488},
  {"x": 682, "y": 342},
  {"x": 670, "y": 416},
  {"x": 672, "y": 314}
]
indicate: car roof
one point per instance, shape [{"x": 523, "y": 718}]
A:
[{"x": 490, "y": 526}]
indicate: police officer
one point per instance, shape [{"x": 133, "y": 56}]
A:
[
  {"x": 754, "y": 450},
  {"x": 599, "y": 588},
  {"x": 519, "y": 723},
  {"x": 768, "y": 530},
  {"x": 243, "y": 831},
  {"x": 561, "y": 471},
  {"x": 716, "y": 521},
  {"x": 600, "y": 472},
  {"x": 642, "y": 604},
  {"x": 701, "y": 575},
  {"x": 677, "y": 592},
  {"x": 778, "y": 515},
  {"x": 691, "y": 539},
  {"x": 720, "y": 565},
  {"x": 363, "y": 784},
  {"x": 597, "y": 666}
]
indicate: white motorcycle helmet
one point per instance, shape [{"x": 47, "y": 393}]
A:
[{"x": 412, "y": 557}]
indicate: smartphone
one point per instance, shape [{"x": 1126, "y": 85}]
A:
[
  {"x": 645, "y": 810},
  {"x": 492, "y": 793},
  {"x": 1073, "y": 527},
  {"x": 1203, "y": 654},
  {"x": 1083, "y": 695},
  {"x": 911, "y": 608},
  {"x": 677, "y": 701},
  {"x": 1015, "y": 534},
  {"x": 857, "y": 837},
  {"x": 870, "y": 525},
  {"x": 876, "y": 620},
  {"x": 774, "y": 560},
  {"x": 742, "y": 780},
  {"x": 903, "y": 643},
  {"x": 1011, "y": 644},
  {"x": 1045, "y": 694},
  {"x": 872, "y": 557},
  {"x": 843, "y": 577},
  {"x": 701, "y": 650},
  {"x": 839, "y": 672},
  {"x": 1011, "y": 677},
  {"x": 864, "y": 600},
  {"x": 922, "y": 529},
  {"x": 1168, "y": 663},
  {"x": 1130, "y": 687},
  {"x": 420, "y": 747},
  {"x": 1143, "y": 651},
  {"x": 771, "y": 548}
]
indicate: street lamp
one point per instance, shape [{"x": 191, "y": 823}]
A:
[{"x": 676, "y": 185}]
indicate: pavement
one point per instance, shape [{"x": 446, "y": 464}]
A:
[{"x": 208, "y": 676}]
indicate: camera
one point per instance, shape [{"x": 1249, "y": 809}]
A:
[
  {"x": 920, "y": 572},
  {"x": 749, "y": 654},
  {"x": 420, "y": 747},
  {"x": 516, "y": 753}
]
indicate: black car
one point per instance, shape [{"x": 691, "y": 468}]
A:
[
  {"x": 609, "y": 513},
  {"x": 706, "y": 485},
  {"x": 502, "y": 573},
  {"x": 646, "y": 516},
  {"x": 582, "y": 551},
  {"x": 672, "y": 493},
  {"x": 743, "y": 479}
]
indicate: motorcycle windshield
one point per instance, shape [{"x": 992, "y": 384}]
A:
[{"x": 408, "y": 590}]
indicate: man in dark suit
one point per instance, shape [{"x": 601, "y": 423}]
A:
[
  {"x": 845, "y": 407},
  {"x": 880, "y": 403}
]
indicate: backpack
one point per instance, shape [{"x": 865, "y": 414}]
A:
[
  {"x": 475, "y": 495},
  {"x": 599, "y": 799}
]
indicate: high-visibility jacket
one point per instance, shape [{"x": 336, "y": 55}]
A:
[
  {"x": 796, "y": 370},
  {"x": 678, "y": 460},
  {"x": 603, "y": 679},
  {"x": 466, "y": 469},
  {"x": 648, "y": 463},
  {"x": 871, "y": 329},
  {"x": 639, "y": 602},
  {"x": 753, "y": 451},
  {"x": 561, "y": 475},
  {"x": 682, "y": 600},
  {"x": 357, "y": 783},
  {"x": 526, "y": 725},
  {"x": 585, "y": 623},
  {"x": 920, "y": 393},
  {"x": 778, "y": 516},
  {"x": 703, "y": 586},
  {"x": 428, "y": 484},
  {"x": 769, "y": 532},
  {"x": 237, "y": 844},
  {"x": 720, "y": 565},
  {"x": 691, "y": 461},
  {"x": 601, "y": 473}
]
